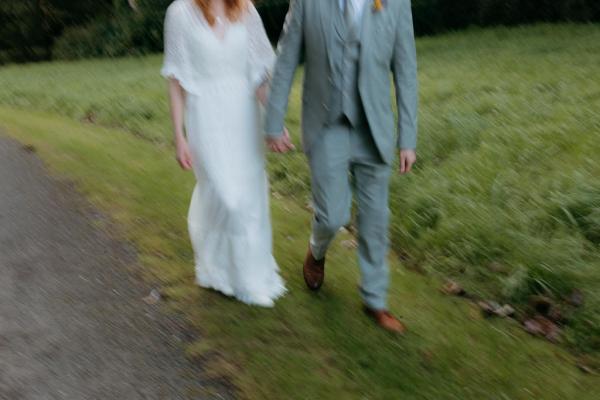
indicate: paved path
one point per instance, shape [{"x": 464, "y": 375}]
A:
[{"x": 72, "y": 321}]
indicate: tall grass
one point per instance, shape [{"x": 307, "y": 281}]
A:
[{"x": 507, "y": 196}]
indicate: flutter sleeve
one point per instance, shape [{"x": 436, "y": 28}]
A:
[
  {"x": 174, "y": 63},
  {"x": 261, "y": 53}
]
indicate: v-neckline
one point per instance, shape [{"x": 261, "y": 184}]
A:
[
  {"x": 221, "y": 39},
  {"x": 204, "y": 23},
  {"x": 226, "y": 28}
]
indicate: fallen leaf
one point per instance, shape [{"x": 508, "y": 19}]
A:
[
  {"x": 89, "y": 117},
  {"x": 555, "y": 314},
  {"x": 554, "y": 335},
  {"x": 587, "y": 366},
  {"x": 505, "y": 311},
  {"x": 452, "y": 288},
  {"x": 152, "y": 298},
  {"x": 29, "y": 148},
  {"x": 542, "y": 326},
  {"x": 584, "y": 368},
  {"x": 489, "y": 308},
  {"x": 533, "y": 327}
]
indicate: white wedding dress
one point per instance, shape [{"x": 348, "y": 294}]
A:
[{"x": 228, "y": 220}]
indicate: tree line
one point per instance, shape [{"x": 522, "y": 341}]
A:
[{"x": 32, "y": 30}]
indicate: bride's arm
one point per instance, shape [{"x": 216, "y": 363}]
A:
[
  {"x": 177, "y": 105},
  {"x": 174, "y": 67},
  {"x": 176, "y": 102}
]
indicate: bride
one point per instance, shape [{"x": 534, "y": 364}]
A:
[{"x": 217, "y": 60}]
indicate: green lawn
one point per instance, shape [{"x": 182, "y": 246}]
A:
[{"x": 506, "y": 200}]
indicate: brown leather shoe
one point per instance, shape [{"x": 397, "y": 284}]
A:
[
  {"x": 314, "y": 271},
  {"x": 386, "y": 320}
]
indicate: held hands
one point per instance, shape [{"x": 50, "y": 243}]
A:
[
  {"x": 183, "y": 154},
  {"x": 407, "y": 160},
  {"x": 282, "y": 144}
]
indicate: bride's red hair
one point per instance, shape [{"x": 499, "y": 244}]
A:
[{"x": 233, "y": 9}]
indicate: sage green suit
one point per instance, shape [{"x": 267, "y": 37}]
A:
[{"x": 356, "y": 144}]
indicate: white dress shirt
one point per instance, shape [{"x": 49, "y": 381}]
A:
[{"x": 358, "y": 7}]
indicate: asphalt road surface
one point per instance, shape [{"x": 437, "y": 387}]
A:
[{"x": 73, "y": 324}]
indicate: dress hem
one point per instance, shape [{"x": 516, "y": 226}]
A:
[{"x": 261, "y": 300}]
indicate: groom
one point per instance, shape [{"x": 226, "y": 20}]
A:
[{"x": 349, "y": 48}]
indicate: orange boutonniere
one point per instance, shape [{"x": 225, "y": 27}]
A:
[{"x": 377, "y": 5}]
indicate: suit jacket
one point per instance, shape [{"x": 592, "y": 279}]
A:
[{"x": 387, "y": 45}]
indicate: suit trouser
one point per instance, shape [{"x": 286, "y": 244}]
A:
[{"x": 345, "y": 159}]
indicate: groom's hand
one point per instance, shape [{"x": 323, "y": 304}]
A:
[
  {"x": 407, "y": 160},
  {"x": 281, "y": 144}
]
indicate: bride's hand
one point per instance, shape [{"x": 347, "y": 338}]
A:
[
  {"x": 282, "y": 144},
  {"x": 183, "y": 154}
]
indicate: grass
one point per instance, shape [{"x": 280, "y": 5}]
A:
[{"x": 505, "y": 200}]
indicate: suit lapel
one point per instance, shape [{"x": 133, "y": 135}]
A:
[
  {"x": 366, "y": 30},
  {"x": 326, "y": 11},
  {"x": 338, "y": 21}
]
